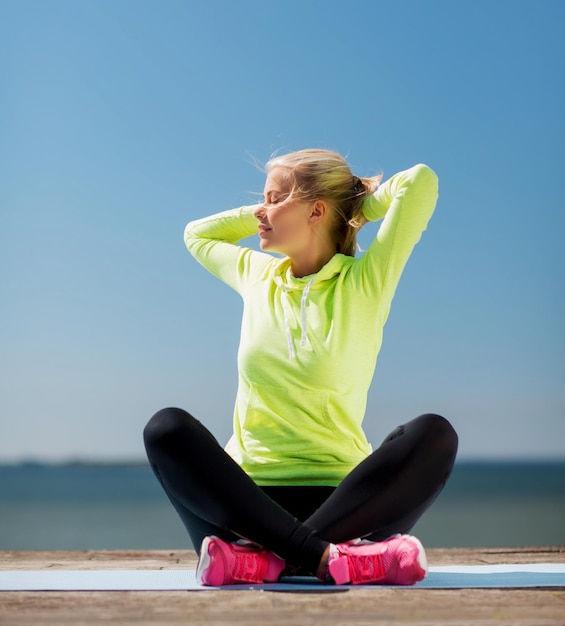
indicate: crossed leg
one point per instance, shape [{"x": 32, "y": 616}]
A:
[{"x": 385, "y": 494}]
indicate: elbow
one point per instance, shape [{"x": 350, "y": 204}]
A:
[
  {"x": 189, "y": 235},
  {"x": 424, "y": 172},
  {"x": 188, "y": 231},
  {"x": 425, "y": 176}
]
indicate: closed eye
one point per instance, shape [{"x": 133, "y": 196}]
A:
[{"x": 275, "y": 199}]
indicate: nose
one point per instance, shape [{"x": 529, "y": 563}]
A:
[{"x": 259, "y": 211}]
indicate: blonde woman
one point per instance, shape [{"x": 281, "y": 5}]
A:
[{"x": 298, "y": 487}]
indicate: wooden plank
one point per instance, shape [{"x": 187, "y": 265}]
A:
[{"x": 358, "y": 607}]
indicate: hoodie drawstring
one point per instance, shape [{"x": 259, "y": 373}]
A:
[
  {"x": 303, "y": 301},
  {"x": 291, "y": 352},
  {"x": 303, "y": 318}
]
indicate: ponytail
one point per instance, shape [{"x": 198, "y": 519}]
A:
[{"x": 325, "y": 175}]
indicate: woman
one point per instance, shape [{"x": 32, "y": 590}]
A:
[{"x": 298, "y": 486}]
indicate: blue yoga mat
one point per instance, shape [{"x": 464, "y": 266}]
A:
[{"x": 439, "y": 577}]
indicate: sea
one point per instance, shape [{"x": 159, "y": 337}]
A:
[{"x": 113, "y": 506}]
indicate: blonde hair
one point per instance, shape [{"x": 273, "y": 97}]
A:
[{"x": 325, "y": 175}]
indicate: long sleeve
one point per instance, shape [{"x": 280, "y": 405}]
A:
[
  {"x": 406, "y": 202},
  {"x": 213, "y": 243}
]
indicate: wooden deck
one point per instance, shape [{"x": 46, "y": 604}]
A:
[{"x": 357, "y": 607}]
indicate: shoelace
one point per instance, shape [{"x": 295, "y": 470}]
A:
[
  {"x": 247, "y": 567},
  {"x": 368, "y": 568}
]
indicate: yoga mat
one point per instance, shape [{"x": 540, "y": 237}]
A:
[{"x": 439, "y": 577}]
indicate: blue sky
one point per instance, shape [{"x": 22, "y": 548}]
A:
[{"x": 122, "y": 120}]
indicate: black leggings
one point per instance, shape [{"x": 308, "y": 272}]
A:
[{"x": 385, "y": 494}]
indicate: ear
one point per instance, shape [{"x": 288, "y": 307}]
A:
[{"x": 318, "y": 211}]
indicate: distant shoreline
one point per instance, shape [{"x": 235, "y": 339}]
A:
[{"x": 117, "y": 463}]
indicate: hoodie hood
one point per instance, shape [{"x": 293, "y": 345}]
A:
[{"x": 286, "y": 282}]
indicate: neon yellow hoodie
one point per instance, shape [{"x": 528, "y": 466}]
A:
[{"x": 309, "y": 346}]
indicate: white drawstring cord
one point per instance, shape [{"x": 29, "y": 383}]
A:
[
  {"x": 291, "y": 352},
  {"x": 303, "y": 318},
  {"x": 303, "y": 311}
]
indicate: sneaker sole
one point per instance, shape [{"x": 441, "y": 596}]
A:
[
  {"x": 422, "y": 558},
  {"x": 203, "y": 561}
]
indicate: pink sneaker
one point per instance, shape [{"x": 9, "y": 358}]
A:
[
  {"x": 399, "y": 560},
  {"x": 223, "y": 563}
]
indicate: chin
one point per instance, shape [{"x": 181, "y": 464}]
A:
[
  {"x": 265, "y": 244},
  {"x": 270, "y": 246}
]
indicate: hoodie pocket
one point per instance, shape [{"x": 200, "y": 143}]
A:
[{"x": 287, "y": 422}]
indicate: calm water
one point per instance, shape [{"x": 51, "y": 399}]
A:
[{"x": 70, "y": 507}]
